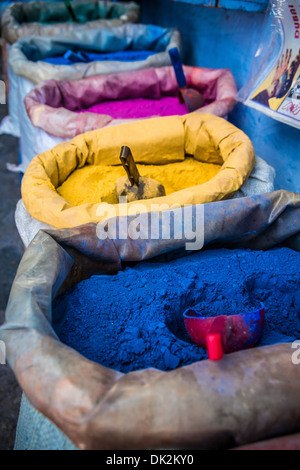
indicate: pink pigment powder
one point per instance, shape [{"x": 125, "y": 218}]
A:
[{"x": 139, "y": 108}]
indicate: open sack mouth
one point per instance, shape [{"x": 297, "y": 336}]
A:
[
  {"x": 106, "y": 43},
  {"x": 94, "y": 184},
  {"x": 223, "y": 157},
  {"x": 105, "y": 297},
  {"x": 135, "y": 319}
]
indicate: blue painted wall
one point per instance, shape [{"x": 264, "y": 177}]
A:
[
  {"x": 247, "y": 5},
  {"x": 218, "y": 37}
]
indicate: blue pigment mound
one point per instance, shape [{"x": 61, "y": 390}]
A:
[
  {"x": 133, "y": 320},
  {"x": 123, "y": 56}
]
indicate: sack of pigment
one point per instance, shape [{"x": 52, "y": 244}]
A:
[
  {"x": 109, "y": 405},
  {"x": 62, "y": 110},
  {"x": 78, "y": 54},
  {"x": 198, "y": 158},
  {"x": 50, "y": 18},
  {"x": 260, "y": 181},
  {"x": 21, "y": 20}
]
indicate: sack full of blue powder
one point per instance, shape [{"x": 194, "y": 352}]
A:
[
  {"x": 134, "y": 320},
  {"x": 95, "y": 336}
]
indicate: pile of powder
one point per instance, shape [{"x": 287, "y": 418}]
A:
[
  {"x": 122, "y": 56},
  {"x": 94, "y": 184},
  {"x": 139, "y": 108},
  {"x": 134, "y": 320}
]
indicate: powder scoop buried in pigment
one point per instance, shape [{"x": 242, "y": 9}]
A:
[
  {"x": 135, "y": 187},
  {"x": 225, "y": 333},
  {"x": 134, "y": 319}
]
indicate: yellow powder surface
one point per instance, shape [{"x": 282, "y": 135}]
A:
[{"x": 94, "y": 184}]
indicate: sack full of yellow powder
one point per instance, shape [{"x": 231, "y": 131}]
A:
[{"x": 198, "y": 158}]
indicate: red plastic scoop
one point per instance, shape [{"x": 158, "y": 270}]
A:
[{"x": 225, "y": 334}]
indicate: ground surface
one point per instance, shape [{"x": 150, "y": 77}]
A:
[{"x": 11, "y": 250}]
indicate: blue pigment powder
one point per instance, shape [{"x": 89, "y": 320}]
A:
[
  {"x": 122, "y": 56},
  {"x": 134, "y": 320}
]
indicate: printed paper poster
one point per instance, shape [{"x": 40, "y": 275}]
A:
[{"x": 279, "y": 93}]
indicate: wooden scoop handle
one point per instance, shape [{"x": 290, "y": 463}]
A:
[
  {"x": 129, "y": 165},
  {"x": 70, "y": 9}
]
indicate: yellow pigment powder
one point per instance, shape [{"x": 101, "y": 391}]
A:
[{"x": 94, "y": 184}]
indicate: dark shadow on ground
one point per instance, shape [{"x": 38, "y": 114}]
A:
[{"x": 11, "y": 250}]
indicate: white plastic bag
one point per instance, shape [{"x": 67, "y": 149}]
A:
[{"x": 274, "y": 83}]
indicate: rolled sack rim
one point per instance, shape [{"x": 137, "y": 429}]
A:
[
  {"x": 43, "y": 101},
  {"x": 93, "y": 39}
]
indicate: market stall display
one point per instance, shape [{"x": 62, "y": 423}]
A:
[
  {"x": 50, "y": 18},
  {"x": 156, "y": 303}
]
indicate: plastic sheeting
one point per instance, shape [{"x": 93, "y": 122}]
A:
[
  {"x": 157, "y": 141},
  {"x": 98, "y": 408},
  {"x": 273, "y": 85},
  {"x": 51, "y": 105},
  {"x": 35, "y": 432},
  {"x": 26, "y": 67}
]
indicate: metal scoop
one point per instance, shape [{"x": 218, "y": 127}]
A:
[
  {"x": 129, "y": 165},
  {"x": 135, "y": 187},
  {"x": 191, "y": 97}
]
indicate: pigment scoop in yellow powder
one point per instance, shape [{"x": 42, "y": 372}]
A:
[{"x": 134, "y": 186}]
